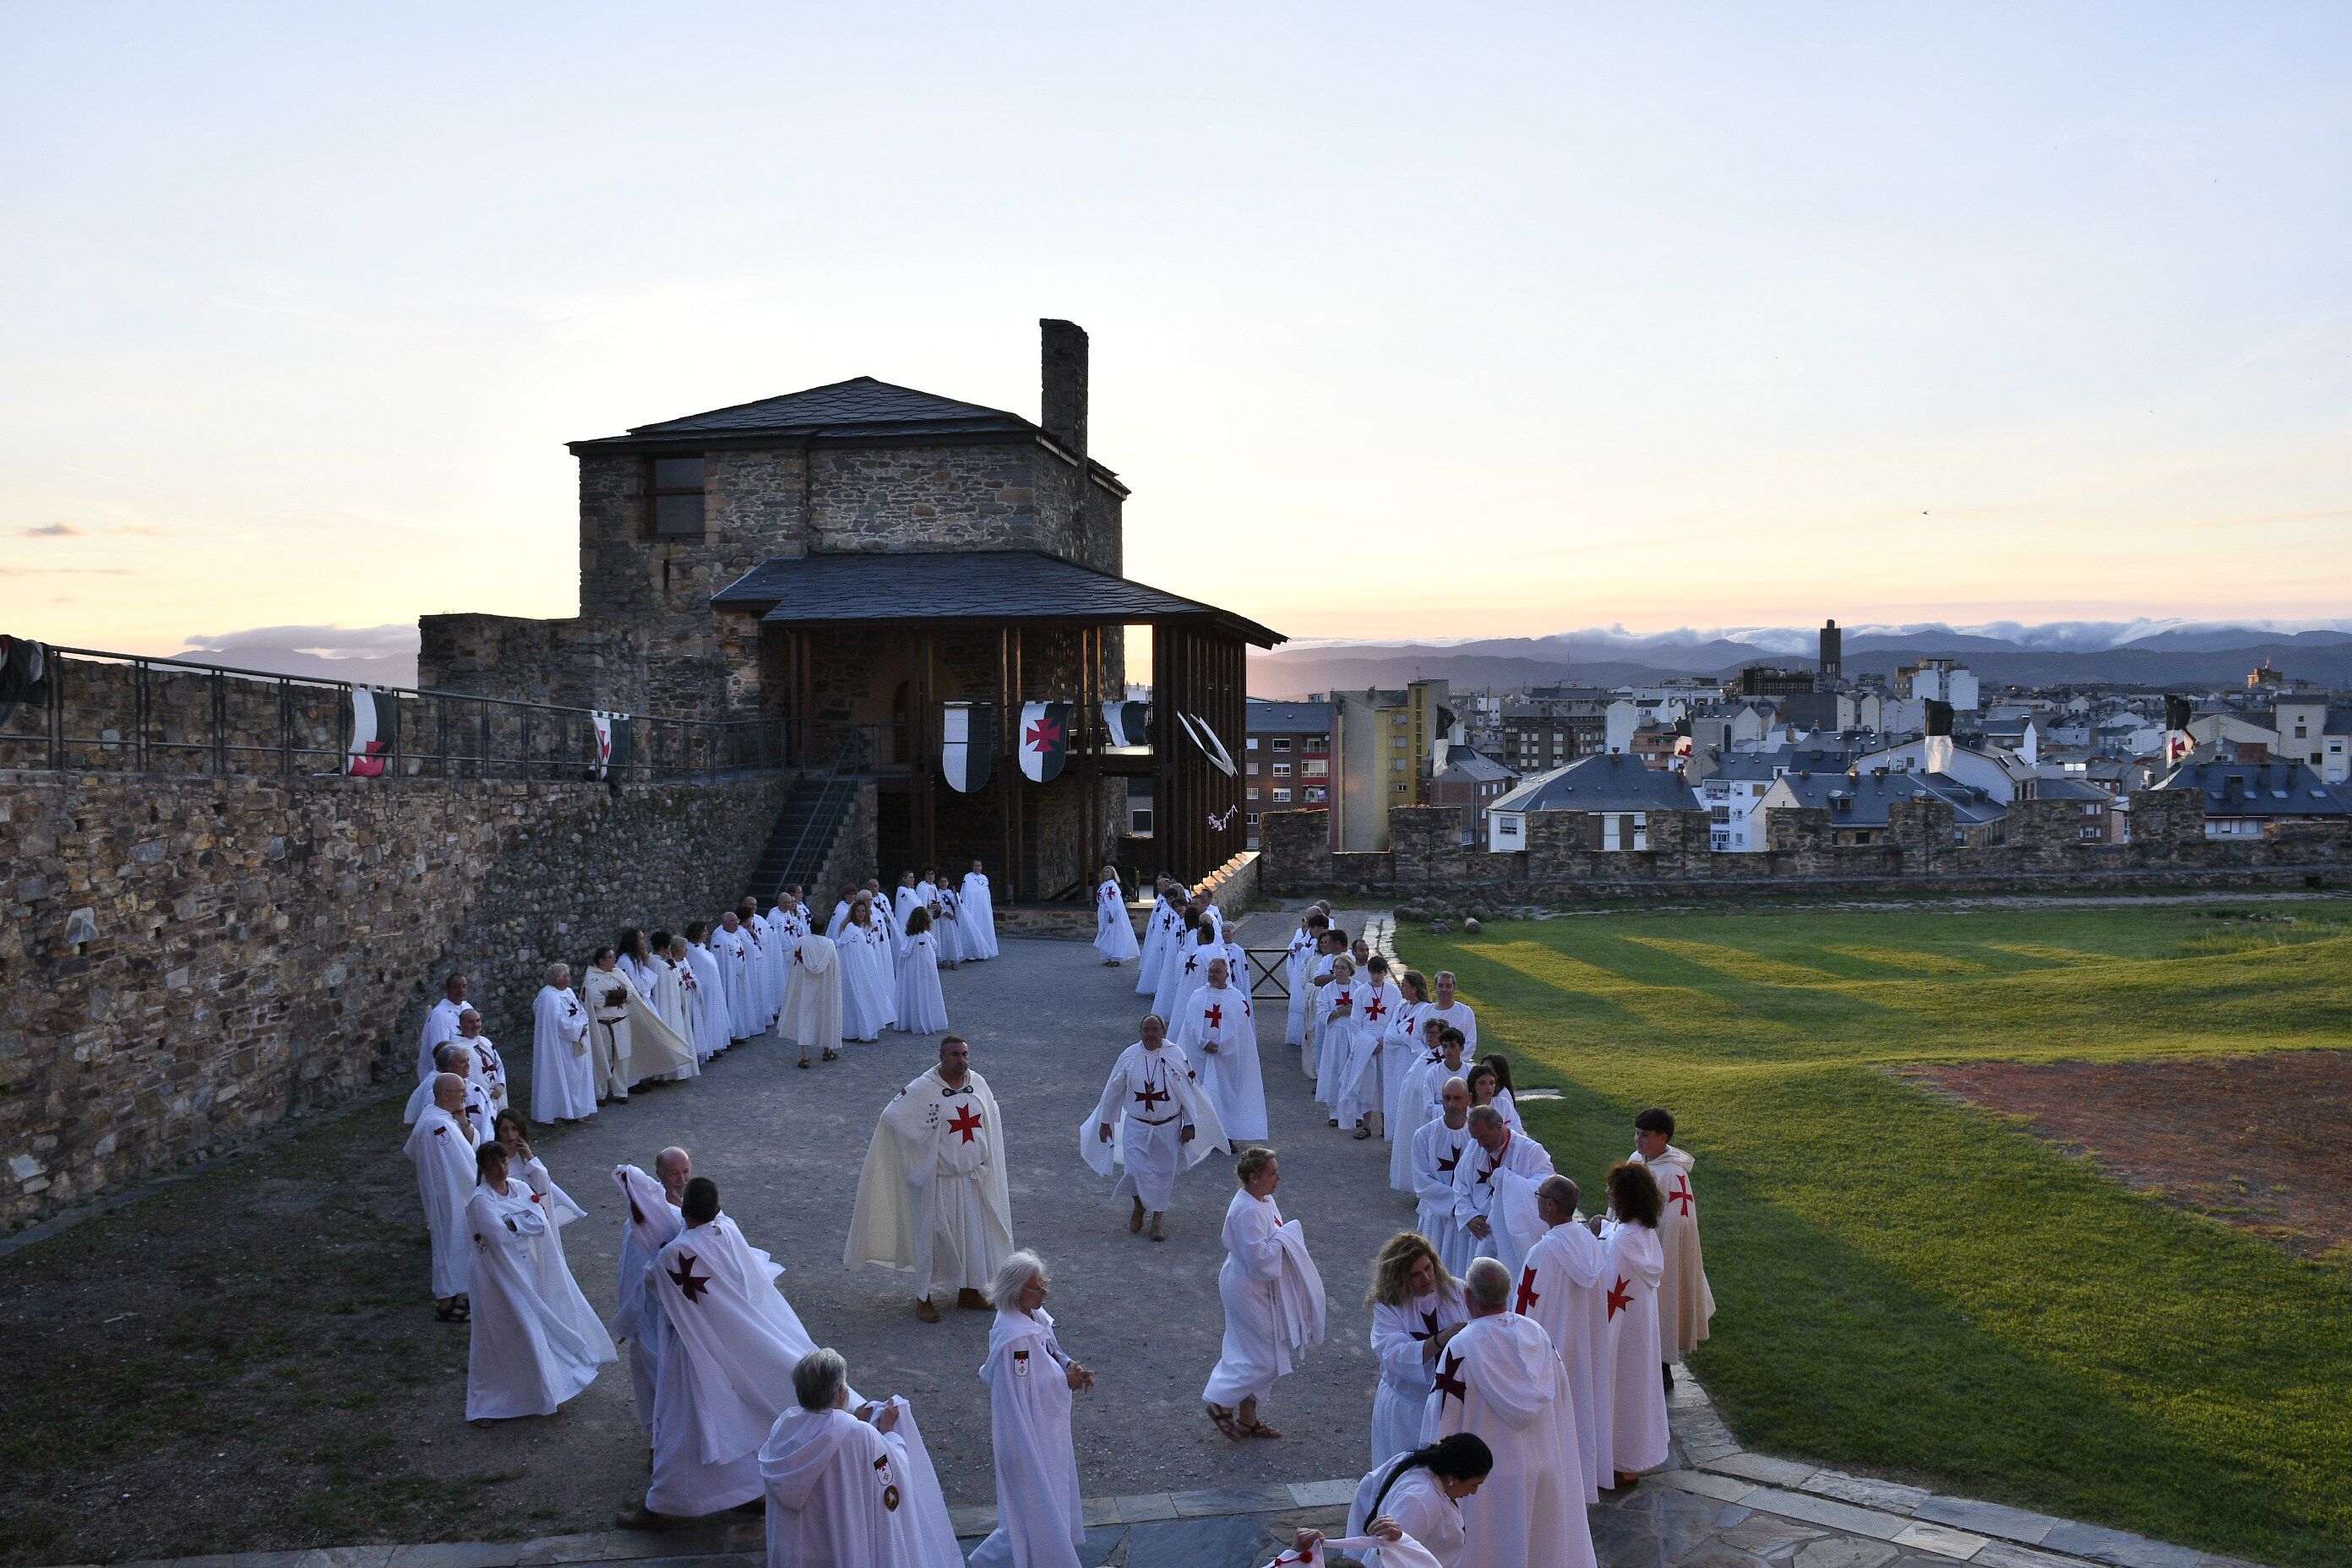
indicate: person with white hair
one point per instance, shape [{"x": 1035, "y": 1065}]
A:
[
  {"x": 1040, "y": 1522},
  {"x": 1153, "y": 1118},
  {"x": 441, "y": 1147},
  {"x": 850, "y": 1488},
  {"x": 562, "y": 1077},
  {"x": 1501, "y": 1381},
  {"x": 456, "y": 1056}
]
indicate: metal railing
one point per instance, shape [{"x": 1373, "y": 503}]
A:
[
  {"x": 834, "y": 794},
  {"x": 95, "y": 711}
]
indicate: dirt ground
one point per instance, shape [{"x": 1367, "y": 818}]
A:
[
  {"x": 2257, "y": 1142},
  {"x": 248, "y": 1360}
]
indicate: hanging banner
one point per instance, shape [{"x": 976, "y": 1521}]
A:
[
  {"x": 1044, "y": 740},
  {"x": 966, "y": 756},
  {"x": 375, "y": 719},
  {"x": 601, "y": 760},
  {"x": 1206, "y": 738},
  {"x": 1127, "y": 724}
]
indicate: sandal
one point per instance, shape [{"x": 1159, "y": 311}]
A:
[
  {"x": 830, "y": 1055},
  {"x": 454, "y": 1312},
  {"x": 1258, "y": 1429},
  {"x": 804, "y": 1061},
  {"x": 1363, "y": 1132},
  {"x": 1225, "y": 1422}
]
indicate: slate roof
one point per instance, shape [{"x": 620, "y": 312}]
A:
[
  {"x": 1869, "y": 796},
  {"x": 2068, "y": 789},
  {"x": 2259, "y": 789},
  {"x": 994, "y": 585},
  {"x": 1464, "y": 763},
  {"x": 1286, "y": 718},
  {"x": 1611, "y": 782},
  {"x": 859, "y": 408},
  {"x": 1754, "y": 765}
]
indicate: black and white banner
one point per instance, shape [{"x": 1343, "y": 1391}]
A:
[
  {"x": 1127, "y": 724},
  {"x": 1204, "y": 737},
  {"x": 376, "y": 726},
  {"x": 1044, "y": 740},
  {"x": 966, "y": 752}
]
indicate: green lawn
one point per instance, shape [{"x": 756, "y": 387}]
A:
[{"x": 1913, "y": 1287}]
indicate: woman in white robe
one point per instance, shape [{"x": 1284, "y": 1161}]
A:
[
  {"x": 1486, "y": 1090},
  {"x": 922, "y": 1008},
  {"x": 1364, "y": 1081},
  {"x": 1114, "y": 927},
  {"x": 813, "y": 1004},
  {"x": 1301, "y": 952},
  {"x": 1421, "y": 1493},
  {"x": 1040, "y": 1521},
  {"x": 1273, "y": 1300},
  {"x": 847, "y": 1489},
  {"x": 671, "y": 1002},
  {"x": 1171, "y": 963},
  {"x": 979, "y": 916},
  {"x": 536, "y": 1341},
  {"x": 947, "y": 926},
  {"x": 1337, "y": 1038},
  {"x": 562, "y": 1074},
  {"x": 1417, "y": 1307},
  {"x": 1636, "y": 1261}
]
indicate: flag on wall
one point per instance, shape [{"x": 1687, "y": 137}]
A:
[
  {"x": 1127, "y": 723},
  {"x": 1044, "y": 740},
  {"x": 965, "y": 752},
  {"x": 1206, "y": 738},
  {"x": 375, "y": 723}
]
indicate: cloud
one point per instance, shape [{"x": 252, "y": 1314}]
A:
[
  {"x": 384, "y": 655},
  {"x": 64, "y": 572},
  {"x": 51, "y": 530}
]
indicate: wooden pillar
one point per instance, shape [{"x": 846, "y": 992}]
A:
[
  {"x": 1015, "y": 871},
  {"x": 922, "y": 803},
  {"x": 1006, "y": 761},
  {"x": 1083, "y": 734}
]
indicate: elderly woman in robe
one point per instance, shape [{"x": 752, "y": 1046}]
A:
[
  {"x": 1040, "y": 1521},
  {"x": 1273, "y": 1298},
  {"x": 844, "y": 1485}
]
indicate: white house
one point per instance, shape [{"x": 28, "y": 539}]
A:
[
  {"x": 1616, "y": 787},
  {"x": 2002, "y": 776}
]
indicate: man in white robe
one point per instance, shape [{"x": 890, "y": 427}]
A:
[
  {"x": 1559, "y": 1287},
  {"x": 1685, "y": 1303},
  {"x": 536, "y": 1341},
  {"x": 715, "y": 1030},
  {"x": 932, "y": 1199},
  {"x": 736, "y": 1342},
  {"x": 1460, "y": 1014},
  {"x": 851, "y": 1487},
  {"x": 979, "y": 915},
  {"x": 1438, "y": 1147},
  {"x": 1154, "y": 1118},
  {"x": 1364, "y": 1081},
  {"x": 812, "y": 1015},
  {"x": 1218, "y": 1033},
  {"x": 606, "y": 990},
  {"x": 906, "y": 896},
  {"x": 1311, "y": 925},
  {"x": 1502, "y": 1382},
  {"x": 440, "y": 1024},
  {"x": 636, "y": 1316},
  {"x": 1114, "y": 925},
  {"x": 1414, "y": 1102},
  {"x": 563, "y": 1076},
  {"x": 733, "y": 950},
  {"x": 454, "y": 1056},
  {"x": 489, "y": 1068},
  {"x": 1155, "y": 940},
  {"x": 1495, "y": 1189},
  {"x": 441, "y": 1147},
  {"x": 672, "y": 999}
]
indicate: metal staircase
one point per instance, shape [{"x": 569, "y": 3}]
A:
[{"x": 805, "y": 830}]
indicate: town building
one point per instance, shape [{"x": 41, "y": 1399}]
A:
[
  {"x": 1859, "y": 804},
  {"x": 1288, "y": 759},
  {"x": 1618, "y": 790},
  {"x": 1471, "y": 783},
  {"x": 1384, "y": 749},
  {"x": 2256, "y": 800}
]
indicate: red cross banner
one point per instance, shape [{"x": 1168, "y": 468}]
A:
[
  {"x": 374, "y": 721},
  {"x": 1044, "y": 740},
  {"x": 965, "y": 734},
  {"x": 603, "y": 759}
]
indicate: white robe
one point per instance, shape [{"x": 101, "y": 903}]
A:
[
  {"x": 868, "y": 990},
  {"x": 1319, "y": 987},
  {"x": 562, "y": 1074},
  {"x": 1437, "y": 1152},
  {"x": 1040, "y": 1520},
  {"x": 813, "y": 1001},
  {"x": 1559, "y": 1289},
  {"x": 1273, "y": 1298},
  {"x": 1364, "y": 1082},
  {"x": 1302, "y": 950},
  {"x": 671, "y": 1002},
  {"x": 1192, "y": 971},
  {"x": 536, "y": 1341},
  {"x": 932, "y": 1199},
  {"x": 947, "y": 926},
  {"x": 1502, "y": 1382},
  {"x": 1412, "y": 1112},
  {"x": 741, "y": 1338},
  {"x": 1401, "y": 1337},
  {"x": 1114, "y": 928},
  {"x": 636, "y": 1315},
  {"x": 979, "y": 917},
  {"x": 1166, "y": 983},
  {"x": 1686, "y": 1302},
  {"x": 444, "y": 1158},
  {"x": 706, "y": 1003},
  {"x": 490, "y": 1069},
  {"x": 1335, "y": 1039},
  {"x": 1418, "y": 1504},
  {"x": 480, "y": 1110},
  {"x": 843, "y": 1495},
  {"x": 1149, "y": 1101},
  {"x": 840, "y": 918},
  {"x": 1155, "y": 945},
  {"x": 1230, "y": 1073},
  {"x": 733, "y": 950},
  {"x": 1501, "y": 1190},
  {"x": 922, "y": 1007},
  {"x": 1462, "y": 1017},
  {"x": 1638, "y": 1433},
  {"x": 440, "y": 1028}
]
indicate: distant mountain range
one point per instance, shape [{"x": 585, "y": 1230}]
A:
[{"x": 2197, "y": 656}]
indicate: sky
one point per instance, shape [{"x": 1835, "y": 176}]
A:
[{"x": 1406, "y": 321}]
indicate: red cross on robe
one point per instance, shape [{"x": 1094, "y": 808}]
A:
[
  {"x": 1215, "y": 1017},
  {"x": 1450, "y": 1160},
  {"x": 966, "y": 1121},
  {"x": 690, "y": 1284},
  {"x": 1529, "y": 1294},
  {"x": 1375, "y": 1009},
  {"x": 1682, "y": 1194},
  {"x": 1621, "y": 1296},
  {"x": 1150, "y": 1095},
  {"x": 1446, "y": 1382},
  {"x": 1429, "y": 1325}
]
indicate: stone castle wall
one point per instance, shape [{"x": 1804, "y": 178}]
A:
[
  {"x": 1563, "y": 861},
  {"x": 186, "y": 961}
]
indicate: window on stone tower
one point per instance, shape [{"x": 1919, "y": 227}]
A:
[{"x": 675, "y": 497}]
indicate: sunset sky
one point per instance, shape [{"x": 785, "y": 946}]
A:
[{"x": 1406, "y": 321}]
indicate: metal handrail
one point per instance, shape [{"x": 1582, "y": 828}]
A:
[
  {"x": 838, "y": 776},
  {"x": 431, "y": 746}
]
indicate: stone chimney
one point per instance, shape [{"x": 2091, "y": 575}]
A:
[{"x": 1061, "y": 352}]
